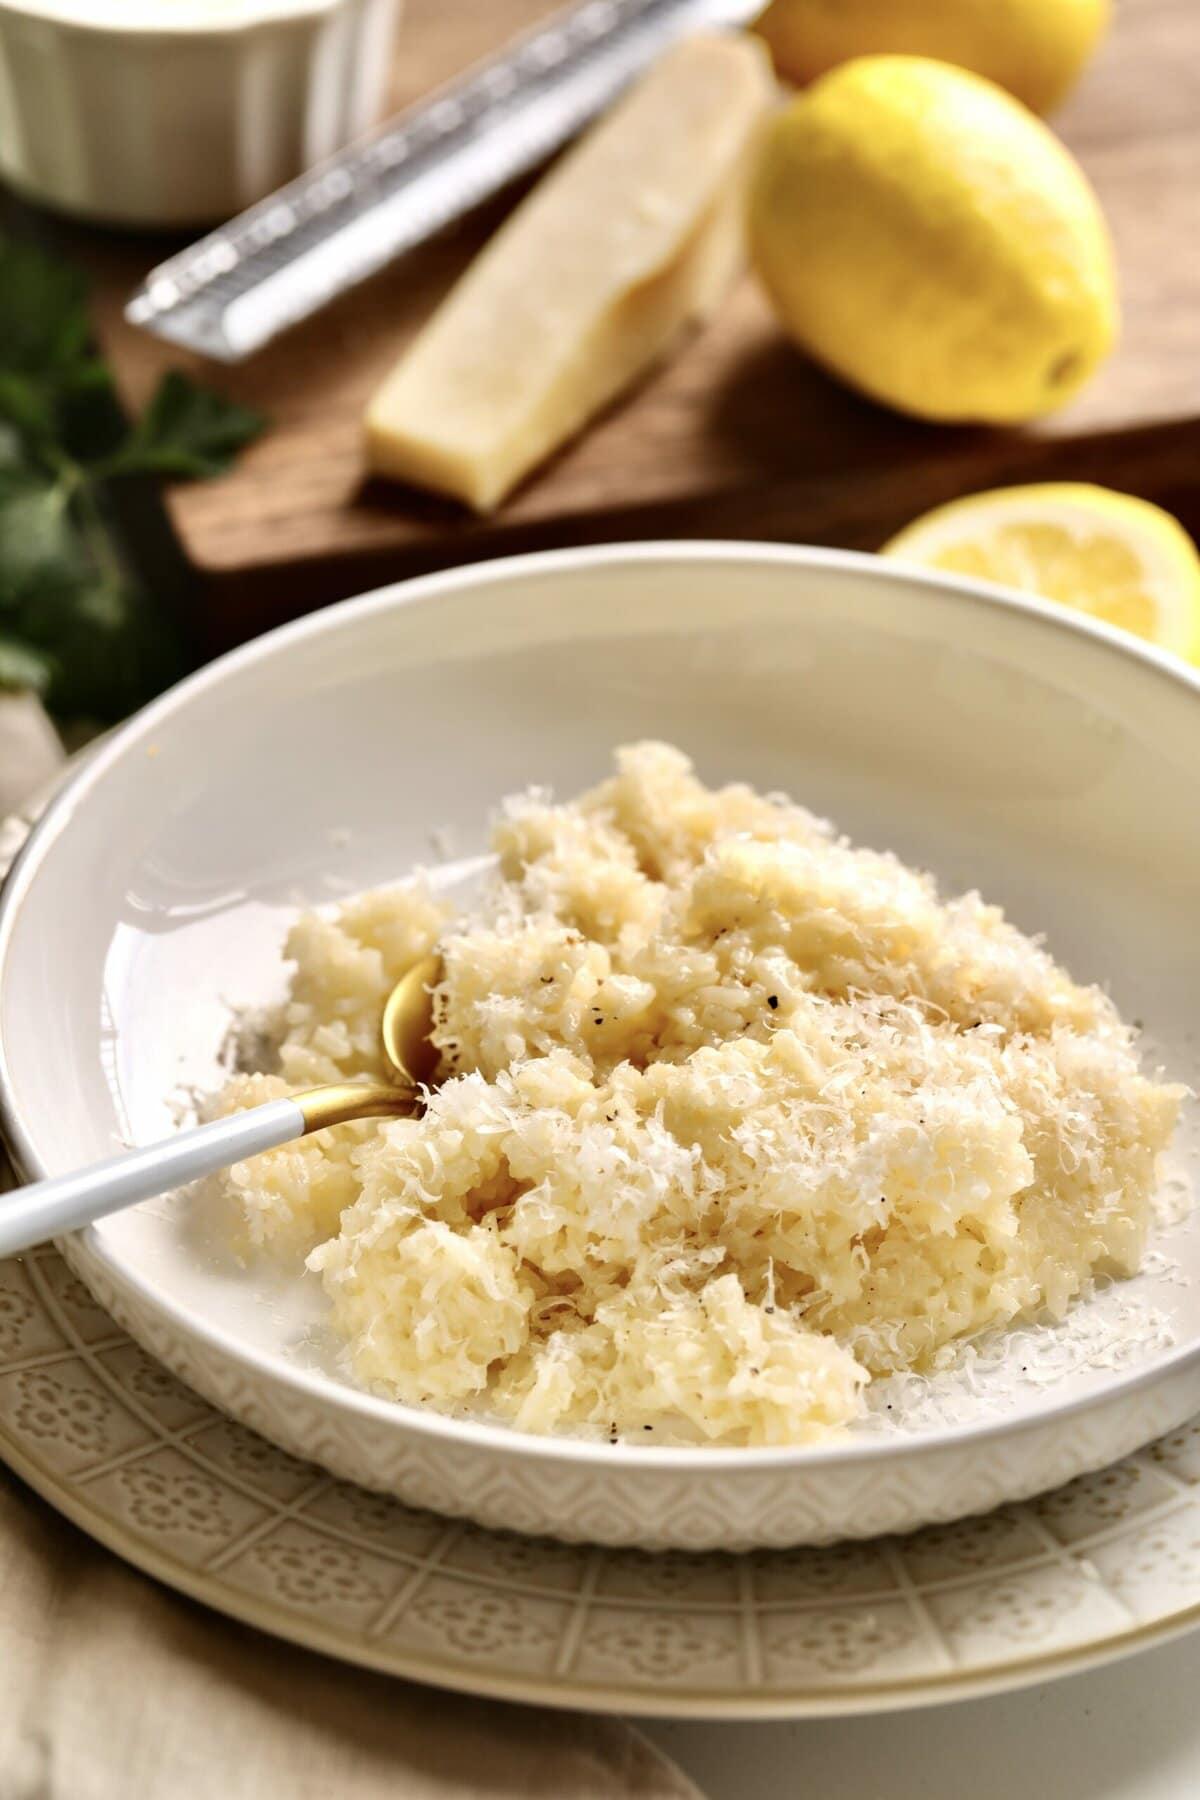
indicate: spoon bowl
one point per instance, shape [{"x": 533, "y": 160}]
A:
[{"x": 407, "y": 1028}]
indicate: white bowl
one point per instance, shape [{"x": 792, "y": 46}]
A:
[
  {"x": 998, "y": 741},
  {"x": 180, "y": 112}
]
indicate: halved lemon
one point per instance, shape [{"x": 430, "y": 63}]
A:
[{"x": 1108, "y": 554}]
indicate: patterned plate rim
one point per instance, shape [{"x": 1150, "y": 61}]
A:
[
  {"x": 416, "y": 1662},
  {"x": 799, "y": 1703},
  {"x": 588, "y": 1697}
]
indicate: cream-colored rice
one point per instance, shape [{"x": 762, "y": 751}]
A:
[{"x": 732, "y": 1116}]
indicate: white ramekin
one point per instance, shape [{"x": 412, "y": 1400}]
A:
[{"x": 180, "y": 112}]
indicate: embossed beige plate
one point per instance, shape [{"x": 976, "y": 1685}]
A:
[
  {"x": 1091, "y": 1572},
  {"x": 1001, "y": 742}
]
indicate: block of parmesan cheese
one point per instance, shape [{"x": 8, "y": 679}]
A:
[{"x": 632, "y": 236}]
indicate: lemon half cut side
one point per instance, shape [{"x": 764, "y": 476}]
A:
[{"x": 1111, "y": 555}]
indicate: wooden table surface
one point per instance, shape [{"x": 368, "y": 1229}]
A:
[{"x": 737, "y": 436}]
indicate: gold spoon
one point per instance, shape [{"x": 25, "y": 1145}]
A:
[
  {"x": 411, "y": 1056},
  {"x": 62, "y": 1203}
]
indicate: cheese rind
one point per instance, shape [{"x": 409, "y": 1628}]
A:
[{"x": 634, "y": 235}]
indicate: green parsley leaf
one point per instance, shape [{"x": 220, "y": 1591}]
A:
[
  {"x": 12, "y": 456},
  {"x": 75, "y": 623},
  {"x": 185, "y": 431},
  {"x": 48, "y": 374},
  {"x": 23, "y": 667},
  {"x": 38, "y": 542},
  {"x": 28, "y": 406},
  {"x": 43, "y": 313},
  {"x": 109, "y": 649}
]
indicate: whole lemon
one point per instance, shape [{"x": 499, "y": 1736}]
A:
[
  {"x": 1034, "y": 48},
  {"x": 931, "y": 242}
]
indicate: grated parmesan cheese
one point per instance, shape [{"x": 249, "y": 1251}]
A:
[{"x": 733, "y": 1118}]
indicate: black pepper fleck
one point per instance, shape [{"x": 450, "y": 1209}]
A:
[{"x": 772, "y": 1001}]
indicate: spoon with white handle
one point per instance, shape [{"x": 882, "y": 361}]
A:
[{"x": 47, "y": 1209}]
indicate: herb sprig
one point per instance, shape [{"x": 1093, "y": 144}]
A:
[{"x": 75, "y": 623}]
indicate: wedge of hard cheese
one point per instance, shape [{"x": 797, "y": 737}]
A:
[{"x": 633, "y": 235}]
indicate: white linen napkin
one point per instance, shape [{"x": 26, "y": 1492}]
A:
[{"x": 115, "y": 1687}]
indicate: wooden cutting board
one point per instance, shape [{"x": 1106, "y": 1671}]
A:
[{"x": 738, "y": 435}]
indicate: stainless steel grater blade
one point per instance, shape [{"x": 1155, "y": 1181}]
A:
[{"x": 293, "y": 252}]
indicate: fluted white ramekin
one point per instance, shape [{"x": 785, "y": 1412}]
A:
[{"x": 180, "y": 112}]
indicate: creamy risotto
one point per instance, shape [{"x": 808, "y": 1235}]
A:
[{"x": 731, "y": 1116}]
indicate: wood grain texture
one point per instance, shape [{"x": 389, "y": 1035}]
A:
[{"x": 739, "y": 434}]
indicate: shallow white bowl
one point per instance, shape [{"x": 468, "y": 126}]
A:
[{"x": 999, "y": 742}]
